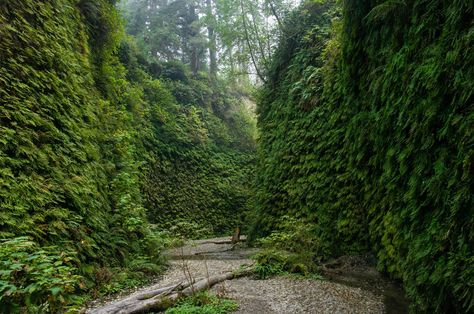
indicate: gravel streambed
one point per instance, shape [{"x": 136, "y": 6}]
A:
[{"x": 275, "y": 295}]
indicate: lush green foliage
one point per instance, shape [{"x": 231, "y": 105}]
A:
[
  {"x": 229, "y": 39},
  {"x": 91, "y": 134},
  {"x": 292, "y": 249},
  {"x": 366, "y": 131},
  {"x": 204, "y": 303},
  {"x": 68, "y": 152},
  {"x": 42, "y": 277},
  {"x": 200, "y": 149},
  {"x": 205, "y": 188}
]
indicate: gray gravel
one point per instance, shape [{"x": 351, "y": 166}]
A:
[
  {"x": 276, "y": 295},
  {"x": 289, "y": 295}
]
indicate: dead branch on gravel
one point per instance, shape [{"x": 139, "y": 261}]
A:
[
  {"x": 222, "y": 242},
  {"x": 236, "y": 236},
  {"x": 214, "y": 252},
  {"x": 233, "y": 240}
]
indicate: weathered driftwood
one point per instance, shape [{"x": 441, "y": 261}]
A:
[
  {"x": 153, "y": 293},
  {"x": 163, "y": 298},
  {"x": 207, "y": 283},
  {"x": 233, "y": 240},
  {"x": 121, "y": 306},
  {"x": 216, "y": 252}
]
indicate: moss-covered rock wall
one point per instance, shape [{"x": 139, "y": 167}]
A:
[{"x": 366, "y": 131}]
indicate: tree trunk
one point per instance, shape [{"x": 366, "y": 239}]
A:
[
  {"x": 249, "y": 44},
  {"x": 194, "y": 57},
  {"x": 236, "y": 236},
  {"x": 212, "y": 42}
]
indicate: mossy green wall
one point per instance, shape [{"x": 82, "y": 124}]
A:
[
  {"x": 366, "y": 130},
  {"x": 54, "y": 180}
]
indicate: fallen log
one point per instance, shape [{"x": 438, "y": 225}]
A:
[
  {"x": 232, "y": 240},
  {"x": 216, "y": 252},
  {"x": 222, "y": 242},
  {"x": 154, "y": 293},
  {"x": 126, "y": 302},
  {"x": 207, "y": 283},
  {"x": 228, "y": 241},
  {"x": 163, "y": 298},
  {"x": 122, "y": 305}
]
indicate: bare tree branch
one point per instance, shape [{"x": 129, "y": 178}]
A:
[
  {"x": 257, "y": 35},
  {"x": 272, "y": 7},
  {"x": 247, "y": 39}
]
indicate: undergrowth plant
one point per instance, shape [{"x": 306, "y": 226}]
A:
[
  {"x": 291, "y": 249},
  {"x": 204, "y": 303},
  {"x": 36, "y": 279}
]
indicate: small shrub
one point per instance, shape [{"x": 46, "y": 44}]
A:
[
  {"x": 145, "y": 265},
  {"x": 293, "y": 235},
  {"x": 158, "y": 240},
  {"x": 102, "y": 275},
  {"x": 270, "y": 263},
  {"x": 292, "y": 249},
  {"x": 204, "y": 303},
  {"x": 122, "y": 279},
  {"x": 137, "y": 271}
]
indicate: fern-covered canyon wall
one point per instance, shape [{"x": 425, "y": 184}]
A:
[
  {"x": 366, "y": 127},
  {"x": 202, "y": 161},
  {"x": 66, "y": 149},
  {"x": 101, "y": 151}
]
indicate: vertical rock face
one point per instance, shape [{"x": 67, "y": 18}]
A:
[
  {"x": 366, "y": 132},
  {"x": 52, "y": 174},
  {"x": 69, "y": 190}
]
